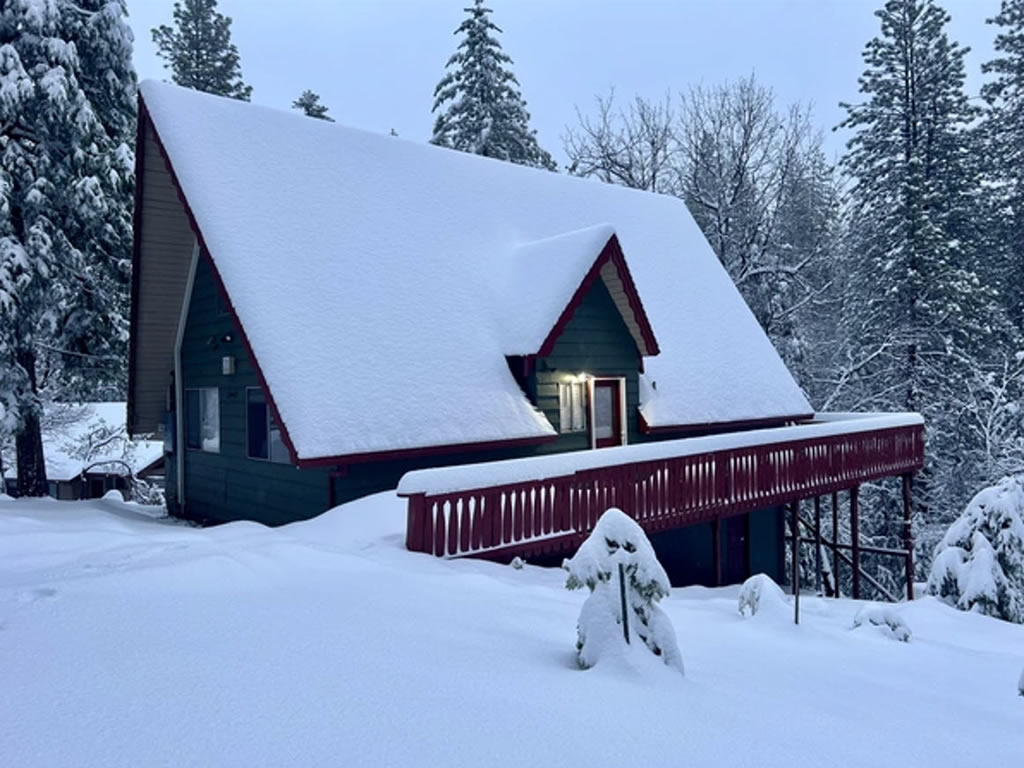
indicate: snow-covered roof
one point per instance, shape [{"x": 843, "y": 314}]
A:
[
  {"x": 381, "y": 283},
  {"x": 68, "y": 450}
]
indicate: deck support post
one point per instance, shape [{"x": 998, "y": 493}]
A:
[
  {"x": 908, "y": 537},
  {"x": 855, "y": 538},
  {"x": 835, "y": 540},
  {"x": 416, "y": 524},
  {"x": 817, "y": 544},
  {"x": 795, "y": 524},
  {"x": 716, "y": 555}
]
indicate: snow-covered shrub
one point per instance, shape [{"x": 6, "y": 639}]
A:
[
  {"x": 760, "y": 591},
  {"x": 518, "y": 563},
  {"x": 1020, "y": 683},
  {"x": 979, "y": 564},
  {"x": 615, "y": 540},
  {"x": 892, "y": 624}
]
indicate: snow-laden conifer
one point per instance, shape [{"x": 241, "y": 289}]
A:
[
  {"x": 199, "y": 52},
  {"x": 480, "y": 107},
  {"x": 65, "y": 190},
  {"x": 891, "y": 624},
  {"x": 979, "y": 564},
  {"x": 1002, "y": 154},
  {"x": 760, "y": 594},
  {"x": 309, "y": 104},
  {"x": 615, "y": 540},
  {"x": 925, "y": 330}
]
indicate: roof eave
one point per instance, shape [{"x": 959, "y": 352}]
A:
[
  {"x": 721, "y": 426},
  {"x": 426, "y": 451}
]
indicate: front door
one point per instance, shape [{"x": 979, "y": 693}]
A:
[{"x": 607, "y": 413}]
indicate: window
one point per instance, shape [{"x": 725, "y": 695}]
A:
[
  {"x": 202, "y": 419},
  {"x": 572, "y": 406},
  {"x": 263, "y": 434}
]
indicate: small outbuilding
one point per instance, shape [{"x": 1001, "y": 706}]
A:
[{"x": 88, "y": 452}]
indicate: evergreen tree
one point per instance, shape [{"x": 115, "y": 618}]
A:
[
  {"x": 199, "y": 52},
  {"x": 1003, "y": 135},
  {"x": 920, "y": 322},
  {"x": 481, "y": 109},
  {"x": 309, "y": 103},
  {"x": 65, "y": 190},
  {"x": 618, "y": 565}
]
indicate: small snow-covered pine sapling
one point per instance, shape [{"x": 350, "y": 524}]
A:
[
  {"x": 615, "y": 540},
  {"x": 518, "y": 563},
  {"x": 979, "y": 564},
  {"x": 888, "y": 620},
  {"x": 758, "y": 591}
]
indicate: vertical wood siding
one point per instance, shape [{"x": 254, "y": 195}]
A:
[{"x": 595, "y": 341}]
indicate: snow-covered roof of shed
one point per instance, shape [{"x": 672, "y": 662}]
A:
[{"x": 362, "y": 268}]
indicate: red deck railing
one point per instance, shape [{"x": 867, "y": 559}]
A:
[{"x": 532, "y": 517}]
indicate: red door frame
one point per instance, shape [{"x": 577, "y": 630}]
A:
[{"x": 616, "y": 439}]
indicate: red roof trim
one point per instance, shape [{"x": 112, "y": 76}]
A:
[
  {"x": 716, "y": 426},
  {"x": 433, "y": 450},
  {"x": 612, "y": 251},
  {"x": 133, "y": 312},
  {"x": 285, "y": 437}
]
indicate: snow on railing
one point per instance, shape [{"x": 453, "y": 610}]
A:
[
  {"x": 540, "y": 505},
  {"x": 510, "y": 471}
]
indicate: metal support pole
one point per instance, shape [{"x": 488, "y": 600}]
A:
[
  {"x": 855, "y": 538},
  {"x": 817, "y": 544},
  {"x": 908, "y": 536},
  {"x": 622, "y": 593},
  {"x": 835, "y": 539},
  {"x": 795, "y": 511}
]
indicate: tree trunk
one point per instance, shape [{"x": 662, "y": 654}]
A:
[{"x": 29, "y": 440}]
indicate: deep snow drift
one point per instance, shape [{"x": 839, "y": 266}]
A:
[{"x": 127, "y": 641}]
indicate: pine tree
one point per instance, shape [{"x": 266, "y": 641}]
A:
[
  {"x": 65, "y": 188},
  {"x": 918, "y": 313},
  {"x": 199, "y": 52},
  {"x": 481, "y": 108},
  {"x": 309, "y": 104},
  {"x": 618, "y": 565},
  {"x": 1003, "y": 135}
]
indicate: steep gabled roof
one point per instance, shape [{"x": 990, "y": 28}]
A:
[
  {"x": 544, "y": 281},
  {"x": 367, "y": 271}
]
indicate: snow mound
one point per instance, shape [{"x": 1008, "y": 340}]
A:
[
  {"x": 113, "y": 496},
  {"x": 889, "y": 621},
  {"x": 5, "y": 497},
  {"x": 979, "y": 564},
  {"x": 760, "y": 592},
  {"x": 617, "y": 557}
]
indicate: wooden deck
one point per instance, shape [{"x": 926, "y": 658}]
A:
[{"x": 456, "y": 512}]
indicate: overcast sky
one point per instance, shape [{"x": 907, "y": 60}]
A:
[{"x": 375, "y": 62}]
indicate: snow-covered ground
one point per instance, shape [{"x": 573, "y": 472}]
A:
[{"x": 127, "y": 640}]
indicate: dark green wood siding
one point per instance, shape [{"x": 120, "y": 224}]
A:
[
  {"x": 228, "y": 485},
  {"x": 595, "y": 341}
]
